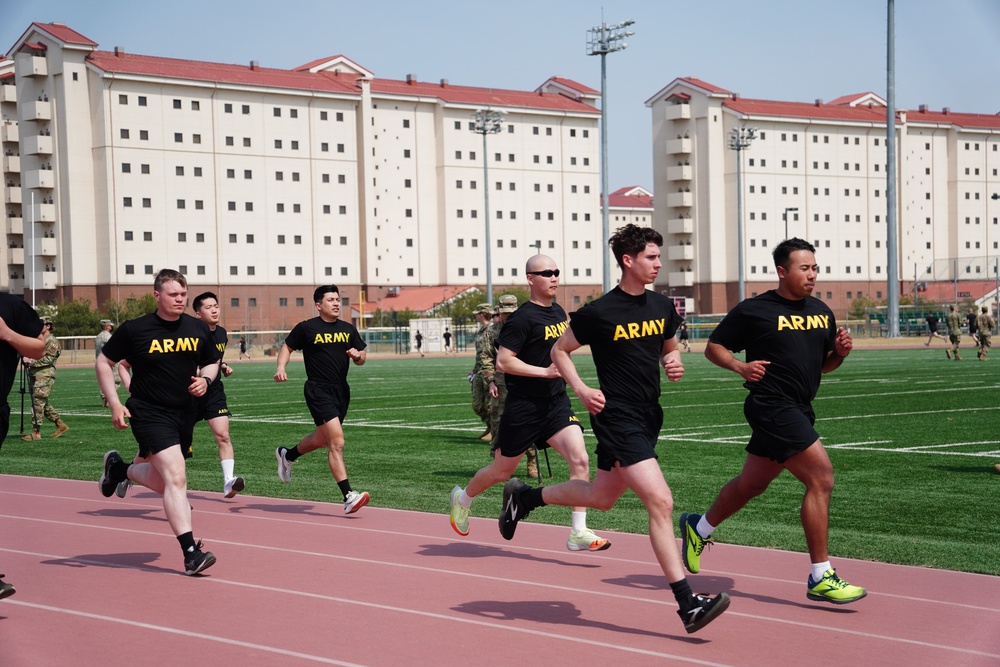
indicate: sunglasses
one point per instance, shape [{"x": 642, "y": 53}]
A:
[{"x": 547, "y": 273}]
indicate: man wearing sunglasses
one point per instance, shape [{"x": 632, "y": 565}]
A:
[
  {"x": 537, "y": 409},
  {"x": 630, "y": 331}
]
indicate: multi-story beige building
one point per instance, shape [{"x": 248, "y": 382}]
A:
[
  {"x": 262, "y": 183},
  {"x": 828, "y": 161}
]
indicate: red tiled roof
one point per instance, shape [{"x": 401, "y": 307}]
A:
[
  {"x": 416, "y": 299},
  {"x": 64, "y": 33},
  {"x": 848, "y": 99},
  {"x": 632, "y": 196},
  {"x": 977, "y": 120},
  {"x": 238, "y": 74},
  {"x": 569, "y": 83},
  {"x": 492, "y": 97},
  {"x": 704, "y": 85},
  {"x": 864, "y": 114}
]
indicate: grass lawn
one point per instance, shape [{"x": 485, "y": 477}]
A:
[{"x": 913, "y": 438}]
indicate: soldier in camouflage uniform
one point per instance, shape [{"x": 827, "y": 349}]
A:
[
  {"x": 506, "y": 305},
  {"x": 984, "y": 324},
  {"x": 478, "y": 377},
  {"x": 41, "y": 377},
  {"x": 954, "y": 321},
  {"x": 99, "y": 341}
]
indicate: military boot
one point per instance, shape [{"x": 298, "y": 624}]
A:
[
  {"x": 60, "y": 428},
  {"x": 34, "y": 435},
  {"x": 532, "y": 455}
]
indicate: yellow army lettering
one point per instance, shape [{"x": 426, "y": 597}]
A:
[
  {"x": 338, "y": 337},
  {"x": 169, "y": 345},
  {"x": 221, "y": 347},
  {"x": 640, "y": 329},
  {"x": 555, "y": 330},
  {"x": 799, "y": 323}
]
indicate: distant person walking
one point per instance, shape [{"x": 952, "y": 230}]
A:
[
  {"x": 954, "y": 321},
  {"x": 479, "y": 377},
  {"x": 420, "y": 342},
  {"x": 41, "y": 379},
  {"x": 932, "y": 328},
  {"x": 682, "y": 336},
  {"x": 971, "y": 319},
  {"x": 447, "y": 341},
  {"x": 103, "y": 337},
  {"x": 244, "y": 351},
  {"x": 328, "y": 345}
]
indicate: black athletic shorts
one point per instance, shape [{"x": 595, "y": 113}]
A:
[
  {"x": 326, "y": 401},
  {"x": 156, "y": 427},
  {"x": 780, "y": 430},
  {"x": 626, "y": 433},
  {"x": 211, "y": 405},
  {"x": 526, "y": 422}
]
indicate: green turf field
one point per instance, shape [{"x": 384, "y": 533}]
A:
[{"x": 913, "y": 438}]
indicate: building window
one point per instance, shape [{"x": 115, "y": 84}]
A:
[{"x": 129, "y": 269}]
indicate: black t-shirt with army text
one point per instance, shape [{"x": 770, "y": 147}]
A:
[
  {"x": 324, "y": 348},
  {"x": 626, "y": 335},
  {"x": 220, "y": 338},
  {"x": 795, "y": 336},
  {"x": 22, "y": 319},
  {"x": 164, "y": 355},
  {"x": 530, "y": 332}
]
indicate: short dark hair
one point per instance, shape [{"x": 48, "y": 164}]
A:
[
  {"x": 198, "y": 300},
  {"x": 166, "y": 275},
  {"x": 323, "y": 289},
  {"x": 631, "y": 240},
  {"x": 784, "y": 250}
]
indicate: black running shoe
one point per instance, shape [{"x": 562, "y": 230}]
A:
[
  {"x": 6, "y": 590},
  {"x": 703, "y": 610},
  {"x": 513, "y": 507},
  {"x": 196, "y": 561},
  {"x": 108, "y": 481}
]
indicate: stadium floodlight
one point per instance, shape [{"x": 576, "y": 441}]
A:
[
  {"x": 484, "y": 122},
  {"x": 739, "y": 140},
  {"x": 602, "y": 40}
]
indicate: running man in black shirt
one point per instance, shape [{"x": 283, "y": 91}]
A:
[
  {"x": 791, "y": 338},
  {"x": 165, "y": 351},
  {"x": 328, "y": 344},
  {"x": 630, "y": 331},
  {"x": 537, "y": 409},
  {"x": 20, "y": 336}
]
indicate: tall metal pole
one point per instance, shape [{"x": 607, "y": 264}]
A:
[
  {"x": 891, "y": 243},
  {"x": 486, "y": 121},
  {"x": 602, "y": 40},
  {"x": 31, "y": 249},
  {"x": 739, "y": 139}
]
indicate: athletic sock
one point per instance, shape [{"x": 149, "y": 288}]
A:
[
  {"x": 119, "y": 471},
  {"x": 579, "y": 521},
  {"x": 465, "y": 500},
  {"x": 819, "y": 569},
  {"x": 228, "y": 465},
  {"x": 292, "y": 453},
  {"x": 532, "y": 498},
  {"x": 187, "y": 542},
  {"x": 682, "y": 592},
  {"x": 345, "y": 487},
  {"x": 704, "y": 528}
]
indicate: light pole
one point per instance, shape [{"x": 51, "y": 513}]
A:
[
  {"x": 484, "y": 122},
  {"x": 602, "y": 40},
  {"x": 785, "y": 217},
  {"x": 739, "y": 139}
]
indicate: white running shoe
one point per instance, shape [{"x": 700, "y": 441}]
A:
[
  {"x": 122, "y": 488},
  {"x": 586, "y": 540},
  {"x": 355, "y": 501},
  {"x": 284, "y": 465},
  {"x": 233, "y": 486}
]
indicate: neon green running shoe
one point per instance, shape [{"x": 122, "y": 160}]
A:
[
  {"x": 459, "y": 514},
  {"x": 832, "y": 588},
  {"x": 692, "y": 543}
]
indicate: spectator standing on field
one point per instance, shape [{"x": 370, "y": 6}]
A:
[
  {"x": 984, "y": 325},
  {"x": 103, "y": 337},
  {"x": 480, "y": 377},
  {"x": 41, "y": 379}
]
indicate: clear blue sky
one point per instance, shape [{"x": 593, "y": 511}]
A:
[{"x": 947, "y": 53}]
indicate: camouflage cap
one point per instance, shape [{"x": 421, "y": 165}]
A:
[
  {"x": 508, "y": 303},
  {"x": 483, "y": 309},
  {"x": 47, "y": 320},
  {"x": 107, "y": 323}
]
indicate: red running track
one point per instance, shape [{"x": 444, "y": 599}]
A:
[{"x": 99, "y": 581}]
